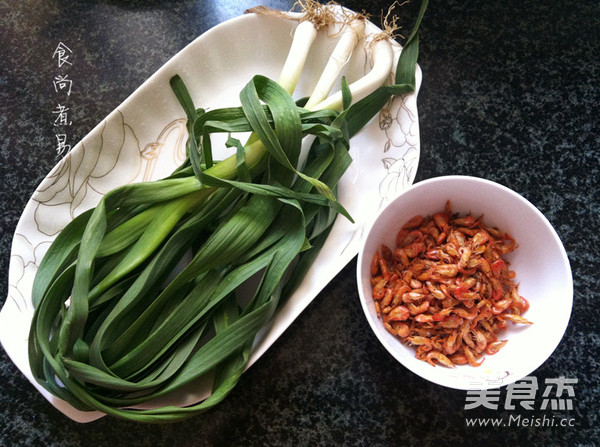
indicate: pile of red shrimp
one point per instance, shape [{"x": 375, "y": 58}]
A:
[{"x": 446, "y": 288}]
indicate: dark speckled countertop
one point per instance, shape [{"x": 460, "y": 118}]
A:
[{"x": 511, "y": 93}]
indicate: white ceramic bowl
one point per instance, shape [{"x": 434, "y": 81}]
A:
[{"x": 541, "y": 265}]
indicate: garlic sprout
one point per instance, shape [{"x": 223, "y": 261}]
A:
[{"x": 118, "y": 323}]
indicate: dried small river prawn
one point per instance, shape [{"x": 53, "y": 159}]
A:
[{"x": 446, "y": 288}]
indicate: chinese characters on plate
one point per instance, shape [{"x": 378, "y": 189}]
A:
[{"x": 62, "y": 86}]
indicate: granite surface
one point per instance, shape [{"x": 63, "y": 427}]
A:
[{"x": 511, "y": 93}]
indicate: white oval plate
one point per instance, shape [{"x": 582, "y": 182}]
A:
[{"x": 144, "y": 139}]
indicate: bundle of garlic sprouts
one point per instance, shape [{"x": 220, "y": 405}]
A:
[{"x": 117, "y": 323}]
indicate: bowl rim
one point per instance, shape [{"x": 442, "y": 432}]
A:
[{"x": 366, "y": 300}]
